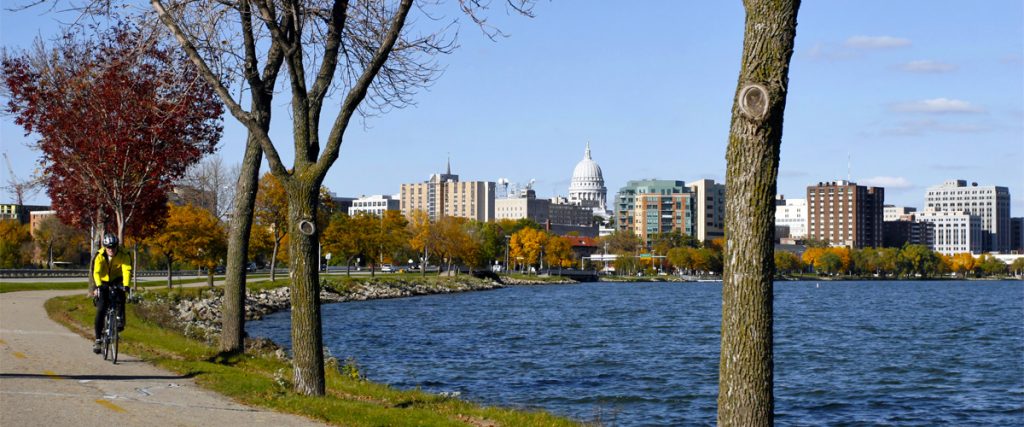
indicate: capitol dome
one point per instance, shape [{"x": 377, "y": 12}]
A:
[{"x": 587, "y": 185}]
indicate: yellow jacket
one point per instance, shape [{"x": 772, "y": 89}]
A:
[{"x": 118, "y": 267}]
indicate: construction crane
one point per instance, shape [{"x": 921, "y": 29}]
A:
[{"x": 20, "y": 189}]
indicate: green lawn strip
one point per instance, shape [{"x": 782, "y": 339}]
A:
[
  {"x": 264, "y": 380},
  {"x": 81, "y": 284},
  {"x": 534, "y": 278}
]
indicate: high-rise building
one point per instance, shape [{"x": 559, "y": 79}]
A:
[
  {"x": 656, "y": 213},
  {"x": 704, "y": 203},
  {"x": 710, "y": 205},
  {"x": 955, "y": 231},
  {"x": 894, "y": 213},
  {"x": 845, "y": 214},
  {"x": 1017, "y": 235},
  {"x": 908, "y": 229},
  {"x": 587, "y": 185},
  {"x": 374, "y": 205},
  {"x": 792, "y": 214},
  {"x": 991, "y": 203},
  {"x": 626, "y": 198},
  {"x": 444, "y": 195}
]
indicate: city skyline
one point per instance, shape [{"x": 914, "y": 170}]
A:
[{"x": 903, "y": 96}]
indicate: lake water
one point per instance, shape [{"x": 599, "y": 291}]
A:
[{"x": 861, "y": 353}]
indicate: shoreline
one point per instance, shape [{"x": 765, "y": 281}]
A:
[{"x": 204, "y": 313}]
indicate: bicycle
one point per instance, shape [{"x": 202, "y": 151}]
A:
[{"x": 112, "y": 324}]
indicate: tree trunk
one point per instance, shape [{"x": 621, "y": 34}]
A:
[
  {"x": 209, "y": 276},
  {"x": 746, "y": 366},
  {"x": 273, "y": 260},
  {"x": 232, "y": 336},
  {"x": 307, "y": 336},
  {"x": 170, "y": 277}
]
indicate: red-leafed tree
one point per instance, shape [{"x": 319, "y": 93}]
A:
[{"x": 119, "y": 118}]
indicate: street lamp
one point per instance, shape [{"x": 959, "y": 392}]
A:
[{"x": 507, "y": 240}]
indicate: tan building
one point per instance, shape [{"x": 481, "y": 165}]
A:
[
  {"x": 655, "y": 213},
  {"x": 444, "y": 195},
  {"x": 845, "y": 214},
  {"x": 710, "y": 206}
]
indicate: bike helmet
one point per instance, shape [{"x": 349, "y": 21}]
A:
[{"x": 109, "y": 240}]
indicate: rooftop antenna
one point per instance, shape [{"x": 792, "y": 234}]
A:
[
  {"x": 848, "y": 167},
  {"x": 449, "y": 172}
]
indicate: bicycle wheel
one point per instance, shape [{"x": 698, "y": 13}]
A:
[
  {"x": 109, "y": 328},
  {"x": 115, "y": 336}
]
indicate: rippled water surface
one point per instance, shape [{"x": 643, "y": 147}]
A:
[{"x": 905, "y": 353}]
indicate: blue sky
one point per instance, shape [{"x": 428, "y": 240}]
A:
[{"x": 901, "y": 94}]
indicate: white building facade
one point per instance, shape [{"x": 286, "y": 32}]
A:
[
  {"x": 792, "y": 214},
  {"x": 895, "y": 213},
  {"x": 374, "y": 205},
  {"x": 990, "y": 203},
  {"x": 955, "y": 232}
]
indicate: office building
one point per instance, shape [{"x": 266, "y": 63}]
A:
[
  {"x": 991, "y": 203},
  {"x": 555, "y": 215},
  {"x": 894, "y": 213},
  {"x": 1017, "y": 235},
  {"x": 374, "y": 205},
  {"x": 908, "y": 230},
  {"x": 710, "y": 204},
  {"x": 845, "y": 214},
  {"x": 791, "y": 214},
  {"x": 655, "y": 213},
  {"x": 626, "y": 198},
  {"x": 955, "y": 232}
]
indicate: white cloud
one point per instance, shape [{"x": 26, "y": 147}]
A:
[
  {"x": 926, "y": 66},
  {"x": 937, "y": 106},
  {"x": 922, "y": 127},
  {"x": 876, "y": 42},
  {"x": 893, "y": 182}
]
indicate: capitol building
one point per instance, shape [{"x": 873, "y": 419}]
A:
[{"x": 587, "y": 185}]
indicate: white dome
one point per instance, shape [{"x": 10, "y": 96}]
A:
[
  {"x": 587, "y": 185},
  {"x": 587, "y": 170}
]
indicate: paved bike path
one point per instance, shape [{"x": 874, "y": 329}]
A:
[{"x": 50, "y": 376}]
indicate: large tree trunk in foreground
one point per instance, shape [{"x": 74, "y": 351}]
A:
[
  {"x": 746, "y": 366},
  {"x": 307, "y": 336}
]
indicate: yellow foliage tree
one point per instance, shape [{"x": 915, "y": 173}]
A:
[
  {"x": 558, "y": 252},
  {"x": 15, "y": 244},
  {"x": 812, "y": 254},
  {"x": 193, "y": 235},
  {"x": 843, "y": 253},
  {"x": 526, "y": 245}
]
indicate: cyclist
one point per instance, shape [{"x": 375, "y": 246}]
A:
[{"x": 112, "y": 272}]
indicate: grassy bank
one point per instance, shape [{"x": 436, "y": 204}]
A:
[
  {"x": 83, "y": 284},
  {"x": 260, "y": 378}
]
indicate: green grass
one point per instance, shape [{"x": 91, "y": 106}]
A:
[
  {"x": 81, "y": 284},
  {"x": 533, "y": 277},
  {"x": 264, "y": 380}
]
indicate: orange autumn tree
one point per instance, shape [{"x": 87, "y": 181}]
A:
[{"x": 192, "y": 235}]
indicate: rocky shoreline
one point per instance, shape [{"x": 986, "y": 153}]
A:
[{"x": 203, "y": 315}]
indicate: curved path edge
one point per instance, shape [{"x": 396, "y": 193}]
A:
[{"x": 49, "y": 376}]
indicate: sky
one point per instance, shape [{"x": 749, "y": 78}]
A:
[{"x": 898, "y": 94}]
